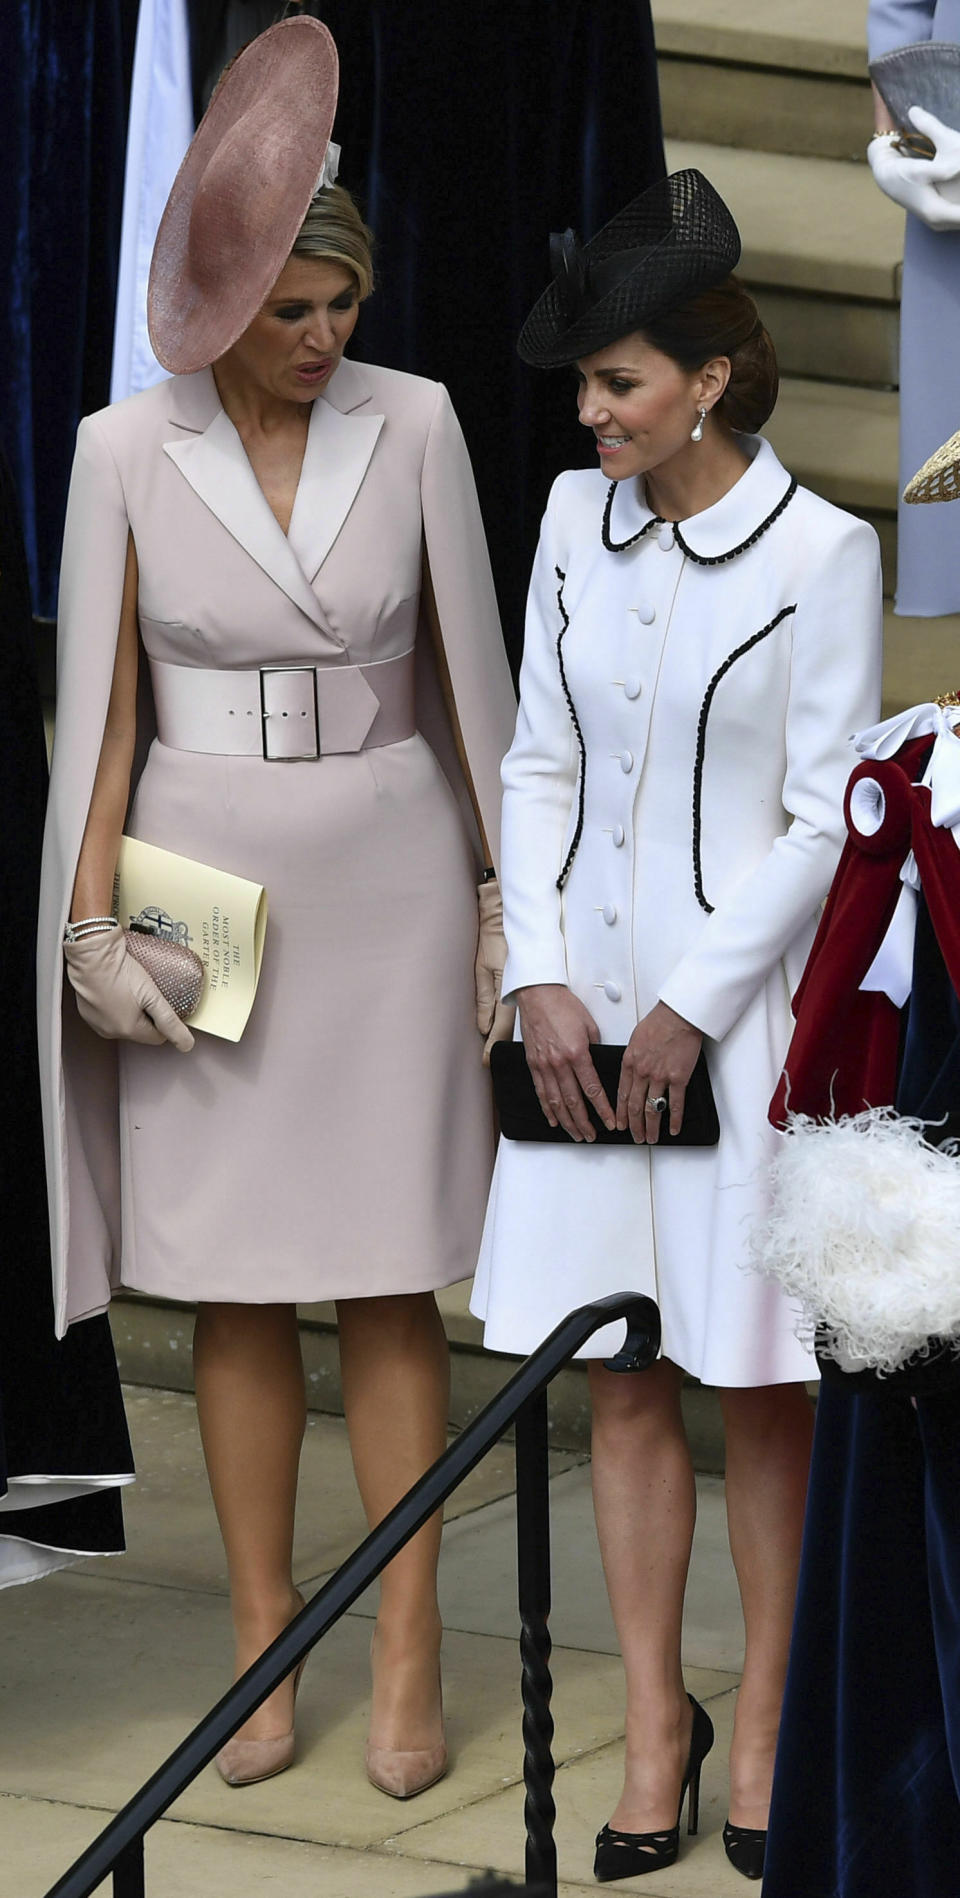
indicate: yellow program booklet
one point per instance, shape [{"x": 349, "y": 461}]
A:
[{"x": 223, "y": 918}]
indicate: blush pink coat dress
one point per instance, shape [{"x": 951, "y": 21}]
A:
[{"x": 343, "y": 1146}]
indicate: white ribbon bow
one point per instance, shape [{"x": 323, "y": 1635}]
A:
[
  {"x": 329, "y": 169},
  {"x": 942, "y": 775}
]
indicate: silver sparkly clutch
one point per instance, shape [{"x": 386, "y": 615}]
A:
[
  {"x": 176, "y": 970},
  {"x": 927, "y": 74}
]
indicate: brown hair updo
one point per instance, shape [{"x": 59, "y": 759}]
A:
[{"x": 724, "y": 321}]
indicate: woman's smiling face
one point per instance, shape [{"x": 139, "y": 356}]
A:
[{"x": 641, "y": 405}]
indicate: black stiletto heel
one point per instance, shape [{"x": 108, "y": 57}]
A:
[
  {"x": 629, "y": 1854},
  {"x": 745, "y": 1848}
]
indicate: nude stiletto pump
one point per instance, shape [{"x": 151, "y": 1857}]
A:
[
  {"x": 243, "y": 1762},
  {"x": 403, "y": 1772}
]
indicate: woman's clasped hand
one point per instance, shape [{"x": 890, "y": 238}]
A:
[
  {"x": 659, "y": 1060},
  {"x": 116, "y": 997},
  {"x": 557, "y": 1031}
]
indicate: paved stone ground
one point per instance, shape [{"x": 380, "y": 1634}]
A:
[{"x": 104, "y": 1668}]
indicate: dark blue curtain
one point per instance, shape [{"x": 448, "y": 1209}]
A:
[
  {"x": 60, "y": 1405},
  {"x": 64, "y": 87},
  {"x": 468, "y": 134}
]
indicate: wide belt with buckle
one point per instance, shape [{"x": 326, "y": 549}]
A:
[{"x": 284, "y": 713}]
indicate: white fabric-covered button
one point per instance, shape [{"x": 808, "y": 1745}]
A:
[
  {"x": 626, "y": 762},
  {"x": 665, "y": 538},
  {"x": 632, "y": 688},
  {"x": 619, "y": 836},
  {"x": 646, "y": 613},
  {"x": 612, "y": 991},
  {"x": 610, "y": 913}
]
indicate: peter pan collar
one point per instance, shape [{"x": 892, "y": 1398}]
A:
[{"x": 719, "y": 533}]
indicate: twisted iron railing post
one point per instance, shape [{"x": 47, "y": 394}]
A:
[
  {"x": 128, "y": 1873},
  {"x": 638, "y": 1350},
  {"x": 536, "y": 1687}
]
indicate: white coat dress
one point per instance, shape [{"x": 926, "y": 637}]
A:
[{"x": 715, "y": 673}]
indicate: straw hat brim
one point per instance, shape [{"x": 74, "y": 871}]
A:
[
  {"x": 939, "y": 478},
  {"x": 242, "y": 193}
]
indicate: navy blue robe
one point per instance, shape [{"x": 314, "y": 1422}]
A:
[{"x": 865, "y": 1799}]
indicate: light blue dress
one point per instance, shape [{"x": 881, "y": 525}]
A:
[{"x": 928, "y": 580}]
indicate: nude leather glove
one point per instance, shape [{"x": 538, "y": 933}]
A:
[
  {"x": 115, "y": 995},
  {"x": 494, "y": 1018},
  {"x": 929, "y": 187}
]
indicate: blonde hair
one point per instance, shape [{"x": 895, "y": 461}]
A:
[{"x": 334, "y": 232}]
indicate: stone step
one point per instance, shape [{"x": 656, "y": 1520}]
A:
[
  {"x": 154, "y": 1337},
  {"x": 840, "y": 441},
  {"x": 153, "y": 1341},
  {"x": 823, "y": 37},
  {"x": 827, "y": 273},
  {"x": 811, "y": 224},
  {"x": 831, "y": 338},
  {"x": 781, "y": 78},
  {"x": 921, "y": 659},
  {"x": 886, "y": 528}
]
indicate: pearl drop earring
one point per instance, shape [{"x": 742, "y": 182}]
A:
[{"x": 696, "y": 434}]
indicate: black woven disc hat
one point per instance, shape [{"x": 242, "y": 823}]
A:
[{"x": 675, "y": 239}]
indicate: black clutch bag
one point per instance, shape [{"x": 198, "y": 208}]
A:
[{"x": 523, "y": 1118}]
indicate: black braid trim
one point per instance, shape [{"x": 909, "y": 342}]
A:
[
  {"x": 754, "y": 640},
  {"x": 720, "y": 560},
  {"x": 574, "y": 847},
  {"x": 620, "y": 546},
  {"x": 700, "y": 560}
]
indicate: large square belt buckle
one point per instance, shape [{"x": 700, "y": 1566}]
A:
[{"x": 290, "y": 718}]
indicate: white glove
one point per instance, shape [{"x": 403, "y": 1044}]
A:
[
  {"x": 929, "y": 187},
  {"x": 116, "y": 997},
  {"x": 494, "y": 1018}
]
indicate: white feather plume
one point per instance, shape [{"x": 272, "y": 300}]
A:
[{"x": 864, "y": 1231}]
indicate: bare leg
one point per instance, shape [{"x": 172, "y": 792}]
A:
[
  {"x": 252, "y": 1411},
  {"x": 769, "y": 1432},
  {"x": 395, "y": 1369},
  {"x": 645, "y": 1503}
]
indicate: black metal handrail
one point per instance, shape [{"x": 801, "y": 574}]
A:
[{"x": 523, "y": 1400}]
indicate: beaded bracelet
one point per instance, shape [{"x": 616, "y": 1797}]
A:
[{"x": 89, "y": 926}]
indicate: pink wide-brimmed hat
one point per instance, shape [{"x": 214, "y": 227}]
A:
[{"x": 242, "y": 193}]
